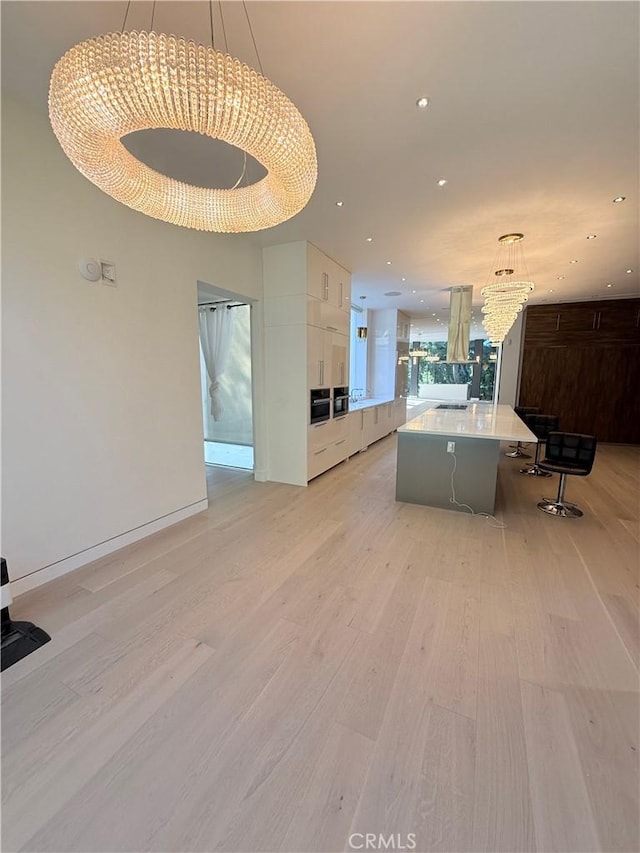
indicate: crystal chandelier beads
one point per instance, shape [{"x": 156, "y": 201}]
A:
[{"x": 107, "y": 87}]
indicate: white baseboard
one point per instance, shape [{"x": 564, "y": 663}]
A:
[{"x": 62, "y": 567}]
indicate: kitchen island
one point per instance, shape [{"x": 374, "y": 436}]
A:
[{"x": 425, "y": 467}]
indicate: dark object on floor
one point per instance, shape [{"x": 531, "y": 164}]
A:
[{"x": 19, "y": 639}]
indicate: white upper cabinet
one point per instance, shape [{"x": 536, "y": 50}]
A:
[{"x": 327, "y": 280}]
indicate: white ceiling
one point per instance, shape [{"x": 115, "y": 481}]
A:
[{"x": 533, "y": 121}]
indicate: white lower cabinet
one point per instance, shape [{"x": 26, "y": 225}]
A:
[
  {"x": 327, "y": 445},
  {"x": 356, "y": 432},
  {"x": 373, "y": 423}
]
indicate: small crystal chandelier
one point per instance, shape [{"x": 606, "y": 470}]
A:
[
  {"x": 113, "y": 85},
  {"x": 505, "y": 298}
]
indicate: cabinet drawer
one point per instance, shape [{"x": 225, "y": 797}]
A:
[
  {"x": 322, "y": 435},
  {"x": 319, "y": 461}
]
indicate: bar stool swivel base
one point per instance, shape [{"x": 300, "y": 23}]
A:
[
  {"x": 559, "y": 507},
  {"x": 562, "y": 510},
  {"x": 535, "y": 471},
  {"x": 518, "y": 452}
]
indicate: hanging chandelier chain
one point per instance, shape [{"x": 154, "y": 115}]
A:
[
  {"x": 213, "y": 44},
  {"x": 255, "y": 46},
  {"x": 126, "y": 15},
  {"x": 224, "y": 31},
  {"x": 153, "y": 13}
]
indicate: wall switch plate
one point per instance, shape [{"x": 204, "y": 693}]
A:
[{"x": 451, "y": 447}]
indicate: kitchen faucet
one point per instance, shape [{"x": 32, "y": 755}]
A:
[{"x": 354, "y": 394}]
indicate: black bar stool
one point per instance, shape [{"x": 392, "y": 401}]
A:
[
  {"x": 567, "y": 453},
  {"x": 521, "y": 411},
  {"x": 540, "y": 426}
]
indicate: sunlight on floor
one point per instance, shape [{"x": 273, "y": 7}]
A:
[{"x": 231, "y": 455}]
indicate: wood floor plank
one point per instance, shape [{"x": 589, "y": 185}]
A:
[
  {"x": 392, "y": 794},
  {"x": 503, "y": 818},
  {"x": 324, "y": 813},
  {"x": 366, "y": 701},
  {"x": 444, "y": 816},
  {"x": 605, "y": 728},
  {"x": 562, "y": 814}
]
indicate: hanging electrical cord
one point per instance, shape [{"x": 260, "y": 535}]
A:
[
  {"x": 213, "y": 44},
  {"x": 500, "y": 525},
  {"x": 126, "y": 15},
  {"x": 255, "y": 46},
  {"x": 224, "y": 32}
]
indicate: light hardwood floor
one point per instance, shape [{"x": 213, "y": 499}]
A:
[{"x": 296, "y": 666}]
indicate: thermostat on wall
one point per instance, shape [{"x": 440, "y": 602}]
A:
[{"x": 90, "y": 269}]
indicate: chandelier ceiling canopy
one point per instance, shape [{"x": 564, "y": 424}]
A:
[
  {"x": 507, "y": 290},
  {"x": 113, "y": 85}
]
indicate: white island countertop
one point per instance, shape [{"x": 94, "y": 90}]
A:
[{"x": 477, "y": 420}]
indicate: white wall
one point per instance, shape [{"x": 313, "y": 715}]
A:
[
  {"x": 235, "y": 426},
  {"x": 510, "y": 364},
  {"x": 102, "y": 415}
]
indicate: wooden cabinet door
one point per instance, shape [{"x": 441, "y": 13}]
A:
[
  {"x": 577, "y": 318},
  {"x": 619, "y": 320}
]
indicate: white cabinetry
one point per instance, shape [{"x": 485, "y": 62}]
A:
[
  {"x": 369, "y": 425},
  {"x": 307, "y": 316},
  {"x": 327, "y": 358}
]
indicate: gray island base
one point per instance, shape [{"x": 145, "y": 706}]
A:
[
  {"x": 424, "y": 467},
  {"x": 423, "y": 474}
]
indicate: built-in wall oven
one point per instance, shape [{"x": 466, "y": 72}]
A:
[
  {"x": 319, "y": 405},
  {"x": 340, "y": 402}
]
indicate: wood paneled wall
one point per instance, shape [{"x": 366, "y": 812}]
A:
[{"x": 581, "y": 361}]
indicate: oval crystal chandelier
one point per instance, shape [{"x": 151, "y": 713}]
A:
[
  {"x": 107, "y": 87},
  {"x": 505, "y": 298}
]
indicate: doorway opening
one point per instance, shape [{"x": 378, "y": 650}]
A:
[{"x": 224, "y": 323}]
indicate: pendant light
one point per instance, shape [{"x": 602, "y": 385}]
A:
[{"x": 113, "y": 85}]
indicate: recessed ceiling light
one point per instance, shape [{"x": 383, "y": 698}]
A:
[
  {"x": 619, "y": 198},
  {"x": 573, "y": 262},
  {"x": 609, "y": 285},
  {"x": 550, "y": 291},
  {"x": 369, "y": 239},
  {"x": 403, "y": 279},
  {"x": 388, "y": 263},
  {"x": 422, "y": 300},
  {"x": 393, "y": 293},
  {"x": 413, "y": 291},
  {"x": 339, "y": 203},
  {"x": 442, "y": 182},
  {"x": 628, "y": 272},
  {"x": 422, "y": 103},
  {"x": 560, "y": 277},
  {"x": 591, "y": 236}
]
